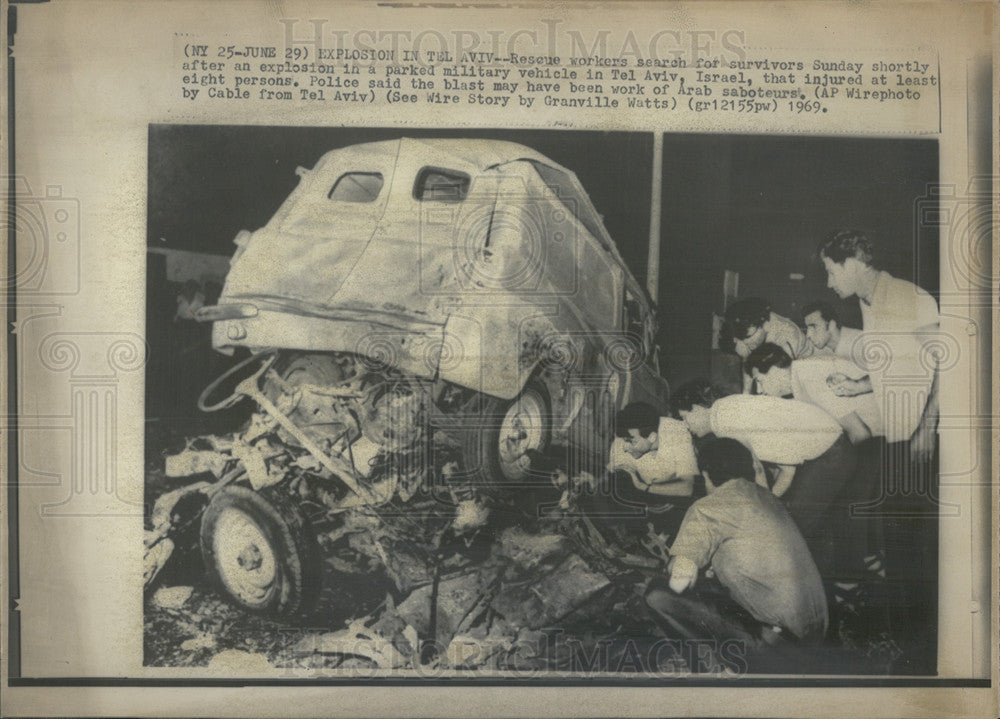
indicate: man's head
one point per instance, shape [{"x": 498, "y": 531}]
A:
[
  {"x": 745, "y": 320},
  {"x": 772, "y": 368},
  {"x": 637, "y": 424},
  {"x": 822, "y": 325},
  {"x": 723, "y": 459},
  {"x": 691, "y": 402},
  {"x": 847, "y": 256}
]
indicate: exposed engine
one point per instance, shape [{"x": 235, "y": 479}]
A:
[{"x": 342, "y": 444}]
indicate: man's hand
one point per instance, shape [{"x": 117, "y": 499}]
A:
[
  {"x": 924, "y": 437},
  {"x": 760, "y": 474},
  {"x": 844, "y": 386},
  {"x": 683, "y": 573},
  {"x": 783, "y": 479},
  {"x": 922, "y": 446}
]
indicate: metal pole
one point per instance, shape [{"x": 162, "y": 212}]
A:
[{"x": 653, "y": 264}]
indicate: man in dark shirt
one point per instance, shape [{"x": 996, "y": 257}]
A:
[
  {"x": 752, "y": 545},
  {"x": 804, "y": 449}
]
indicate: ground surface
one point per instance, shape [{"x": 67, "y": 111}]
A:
[{"x": 189, "y": 623}]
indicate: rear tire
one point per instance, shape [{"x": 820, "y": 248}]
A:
[{"x": 260, "y": 552}]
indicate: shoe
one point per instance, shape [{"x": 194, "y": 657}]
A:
[
  {"x": 848, "y": 596},
  {"x": 875, "y": 564}
]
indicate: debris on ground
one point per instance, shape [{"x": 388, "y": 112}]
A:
[
  {"x": 158, "y": 551},
  {"x": 239, "y": 663},
  {"x": 172, "y": 597},
  {"x": 470, "y": 515},
  {"x": 452, "y": 599},
  {"x": 540, "y": 601},
  {"x": 357, "y": 640},
  {"x": 192, "y": 461},
  {"x": 472, "y": 651},
  {"x": 202, "y": 641},
  {"x": 528, "y": 551}
]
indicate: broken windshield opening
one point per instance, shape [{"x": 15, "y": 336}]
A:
[
  {"x": 439, "y": 185},
  {"x": 357, "y": 187}
]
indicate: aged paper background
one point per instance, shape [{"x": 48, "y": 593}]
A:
[{"x": 90, "y": 77}]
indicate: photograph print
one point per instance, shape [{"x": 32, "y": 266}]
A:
[{"x": 549, "y": 405}]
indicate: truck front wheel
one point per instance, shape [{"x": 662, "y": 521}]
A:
[
  {"x": 498, "y": 441},
  {"x": 257, "y": 550}
]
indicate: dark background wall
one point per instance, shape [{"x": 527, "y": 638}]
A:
[{"x": 761, "y": 205}]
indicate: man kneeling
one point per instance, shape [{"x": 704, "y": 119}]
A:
[{"x": 754, "y": 548}]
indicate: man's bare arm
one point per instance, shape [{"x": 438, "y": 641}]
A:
[
  {"x": 922, "y": 441},
  {"x": 923, "y": 438},
  {"x": 857, "y": 430},
  {"x": 783, "y": 479},
  {"x": 679, "y": 486},
  {"x": 843, "y": 386}
]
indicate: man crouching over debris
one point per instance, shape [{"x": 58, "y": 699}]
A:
[
  {"x": 652, "y": 465},
  {"x": 742, "y": 531},
  {"x": 655, "y": 451}
]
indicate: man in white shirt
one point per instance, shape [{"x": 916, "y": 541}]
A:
[
  {"x": 899, "y": 319},
  {"x": 655, "y": 451},
  {"x": 810, "y": 380},
  {"x": 652, "y": 466},
  {"x": 824, "y": 332},
  {"x": 752, "y": 323}
]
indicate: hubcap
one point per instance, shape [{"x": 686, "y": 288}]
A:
[
  {"x": 244, "y": 557},
  {"x": 522, "y": 429}
]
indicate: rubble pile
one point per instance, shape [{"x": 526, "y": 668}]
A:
[
  {"x": 498, "y": 614},
  {"x": 471, "y": 580}
]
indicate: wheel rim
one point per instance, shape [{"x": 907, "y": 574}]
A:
[
  {"x": 522, "y": 429},
  {"x": 244, "y": 557}
]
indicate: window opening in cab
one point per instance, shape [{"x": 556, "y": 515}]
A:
[
  {"x": 357, "y": 187},
  {"x": 438, "y": 185}
]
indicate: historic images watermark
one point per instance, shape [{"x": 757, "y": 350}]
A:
[{"x": 47, "y": 236}]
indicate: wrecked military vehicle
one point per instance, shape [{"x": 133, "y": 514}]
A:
[{"x": 423, "y": 317}]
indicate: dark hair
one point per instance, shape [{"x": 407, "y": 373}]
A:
[
  {"x": 724, "y": 459},
  {"x": 847, "y": 243},
  {"x": 825, "y": 311},
  {"x": 765, "y": 357},
  {"x": 747, "y": 313},
  {"x": 637, "y": 415},
  {"x": 693, "y": 392}
]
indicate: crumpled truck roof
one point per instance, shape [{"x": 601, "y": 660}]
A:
[{"x": 393, "y": 270}]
